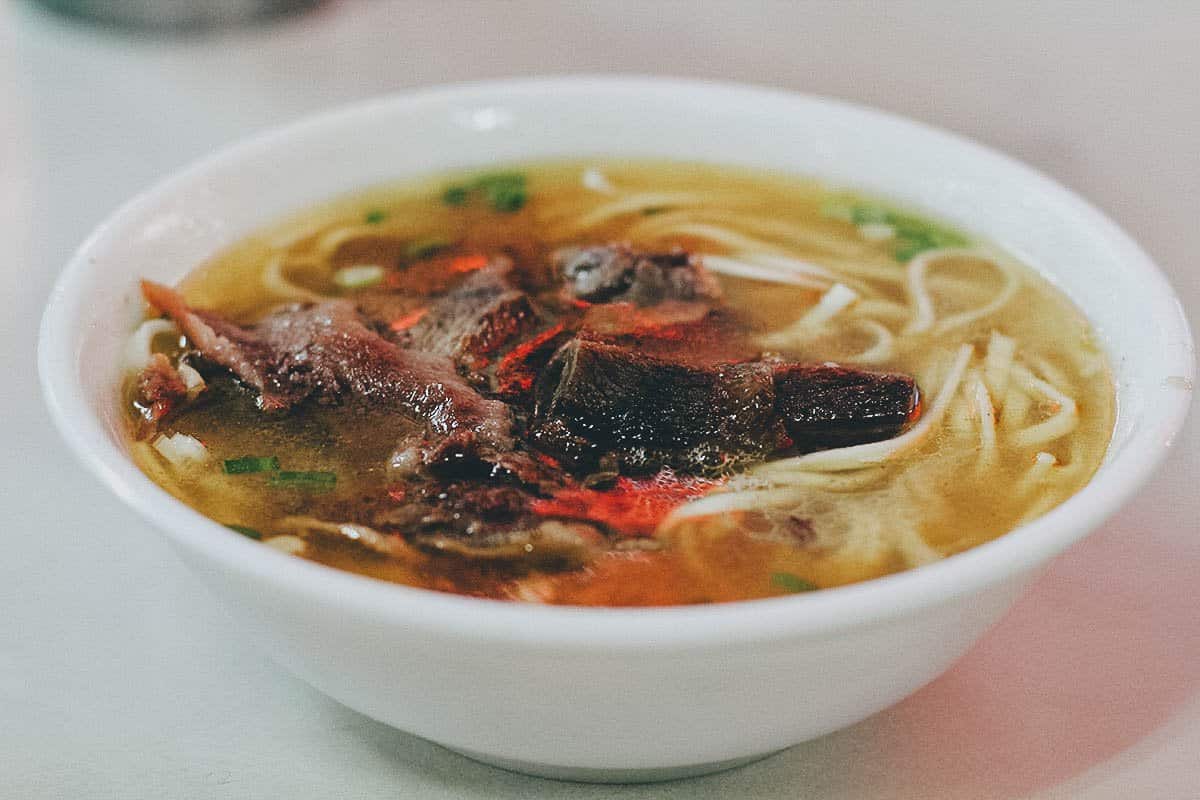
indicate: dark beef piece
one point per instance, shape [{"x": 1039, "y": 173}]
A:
[
  {"x": 691, "y": 333},
  {"x": 325, "y": 352},
  {"x": 475, "y": 320},
  {"x": 486, "y": 523},
  {"x": 519, "y": 368},
  {"x": 158, "y": 391},
  {"x": 617, "y": 273},
  {"x": 461, "y": 508},
  {"x": 595, "y": 399},
  {"x": 549, "y": 544},
  {"x": 409, "y": 288},
  {"x": 463, "y": 454},
  {"x": 831, "y": 406}
]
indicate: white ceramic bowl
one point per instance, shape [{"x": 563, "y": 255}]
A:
[{"x": 611, "y": 694}]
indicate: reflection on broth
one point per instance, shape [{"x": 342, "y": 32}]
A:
[{"x": 617, "y": 384}]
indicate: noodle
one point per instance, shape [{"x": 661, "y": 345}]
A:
[
  {"x": 274, "y": 281},
  {"x": 739, "y": 268},
  {"x": 881, "y": 350},
  {"x": 923, "y": 317},
  {"x": 1064, "y": 419}
]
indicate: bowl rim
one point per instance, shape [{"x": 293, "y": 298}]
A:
[{"x": 871, "y": 602}]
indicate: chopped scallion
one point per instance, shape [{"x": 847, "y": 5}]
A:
[
  {"x": 248, "y": 464},
  {"x": 375, "y": 216},
  {"x": 304, "y": 480},
  {"x": 250, "y": 533},
  {"x": 359, "y": 276},
  {"x": 650, "y": 211},
  {"x": 455, "y": 195},
  {"x": 791, "y": 583},
  {"x": 424, "y": 248},
  {"x": 507, "y": 198},
  {"x": 913, "y": 235},
  {"x": 503, "y": 191}
]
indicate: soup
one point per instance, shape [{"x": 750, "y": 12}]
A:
[{"x": 616, "y": 383}]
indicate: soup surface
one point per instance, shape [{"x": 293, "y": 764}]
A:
[{"x": 616, "y": 383}]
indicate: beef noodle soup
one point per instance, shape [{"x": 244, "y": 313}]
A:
[{"x": 616, "y": 383}]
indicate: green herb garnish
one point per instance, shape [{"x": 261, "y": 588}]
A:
[
  {"x": 503, "y": 191},
  {"x": 304, "y": 480},
  {"x": 247, "y": 464},
  {"x": 455, "y": 195},
  {"x": 650, "y": 211},
  {"x": 375, "y": 216},
  {"x": 249, "y": 533},
  {"x": 424, "y": 248},
  {"x": 914, "y": 235},
  {"x": 507, "y": 199},
  {"x": 791, "y": 583}
]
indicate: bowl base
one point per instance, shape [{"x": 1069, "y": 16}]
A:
[{"x": 600, "y": 775}]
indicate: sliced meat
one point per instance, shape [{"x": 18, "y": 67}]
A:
[
  {"x": 363, "y": 538},
  {"x": 690, "y": 332},
  {"x": 519, "y": 368},
  {"x": 409, "y": 289},
  {"x": 486, "y": 523},
  {"x": 460, "y": 508},
  {"x": 464, "y": 454},
  {"x": 158, "y": 390},
  {"x": 477, "y": 319},
  {"x": 549, "y": 544},
  {"x": 831, "y": 406},
  {"x": 617, "y": 273},
  {"x": 595, "y": 399},
  {"x": 325, "y": 352}
]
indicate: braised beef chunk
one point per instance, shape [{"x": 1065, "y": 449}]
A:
[
  {"x": 461, "y": 508},
  {"x": 519, "y": 368},
  {"x": 477, "y": 319},
  {"x": 616, "y": 273},
  {"x": 158, "y": 391},
  {"x": 326, "y": 353},
  {"x": 595, "y": 399},
  {"x": 690, "y": 332},
  {"x": 830, "y": 406},
  {"x": 486, "y": 523}
]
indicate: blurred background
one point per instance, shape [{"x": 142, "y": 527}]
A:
[{"x": 119, "y": 679}]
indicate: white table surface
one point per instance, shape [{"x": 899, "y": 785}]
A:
[{"x": 120, "y": 679}]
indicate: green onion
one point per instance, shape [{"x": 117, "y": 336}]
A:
[
  {"x": 249, "y": 533},
  {"x": 455, "y": 195},
  {"x": 359, "y": 276},
  {"x": 914, "y": 235},
  {"x": 791, "y": 583},
  {"x": 375, "y": 216},
  {"x": 247, "y": 464},
  {"x": 650, "y": 211},
  {"x": 304, "y": 480},
  {"x": 424, "y": 248},
  {"x": 504, "y": 191},
  {"x": 507, "y": 198}
]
